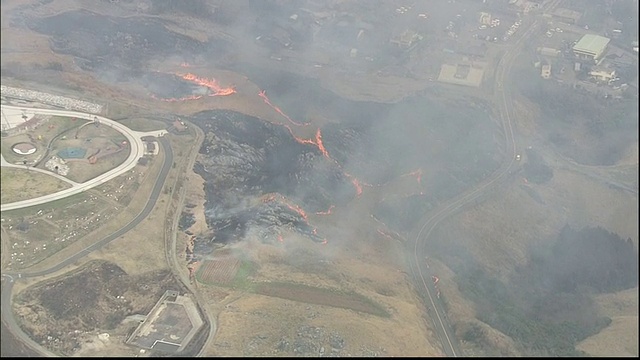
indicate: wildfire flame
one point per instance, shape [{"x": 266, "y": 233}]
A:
[
  {"x": 317, "y": 142},
  {"x": 320, "y": 145},
  {"x": 185, "y": 65},
  {"x": 293, "y": 207},
  {"x": 356, "y": 183},
  {"x": 417, "y": 174},
  {"x": 280, "y": 239},
  {"x": 266, "y": 100},
  {"x": 211, "y": 84},
  {"x": 328, "y": 212},
  {"x": 214, "y": 88}
]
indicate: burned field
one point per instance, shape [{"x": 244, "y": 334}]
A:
[
  {"x": 261, "y": 181},
  {"x": 99, "y": 41},
  {"x": 62, "y": 313},
  {"x": 170, "y": 86}
]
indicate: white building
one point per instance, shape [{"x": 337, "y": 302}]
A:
[
  {"x": 591, "y": 47},
  {"x": 546, "y": 71},
  {"x": 602, "y": 74}
]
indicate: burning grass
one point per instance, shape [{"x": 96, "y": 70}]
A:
[{"x": 178, "y": 87}]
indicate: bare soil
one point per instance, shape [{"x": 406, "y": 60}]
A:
[{"x": 63, "y": 313}]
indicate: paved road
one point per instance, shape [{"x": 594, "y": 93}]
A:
[
  {"x": 133, "y": 137},
  {"x": 11, "y": 277},
  {"x": 417, "y": 260},
  {"x": 5, "y": 163},
  {"x": 597, "y": 173}
]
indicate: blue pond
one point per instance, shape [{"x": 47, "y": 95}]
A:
[{"x": 72, "y": 153}]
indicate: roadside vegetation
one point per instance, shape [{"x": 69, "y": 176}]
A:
[
  {"x": 547, "y": 306},
  {"x": 591, "y": 129}
]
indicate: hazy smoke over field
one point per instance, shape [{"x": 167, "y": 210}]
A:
[{"x": 330, "y": 167}]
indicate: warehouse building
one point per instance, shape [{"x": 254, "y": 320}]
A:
[{"x": 591, "y": 47}]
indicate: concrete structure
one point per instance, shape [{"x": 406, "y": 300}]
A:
[
  {"x": 179, "y": 126},
  {"x": 151, "y": 147},
  {"x": 406, "y": 39},
  {"x": 591, "y": 47},
  {"x": 602, "y": 74},
  {"x": 545, "y": 51},
  {"x": 24, "y": 148},
  {"x": 485, "y": 18},
  {"x": 566, "y": 15},
  {"x": 462, "y": 74},
  {"x": 170, "y": 325},
  {"x": 546, "y": 71}
]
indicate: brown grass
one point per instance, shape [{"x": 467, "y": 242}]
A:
[
  {"x": 22, "y": 184},
  {"x": 618, "y": 339},
  {"x": 141, "y": 124},
  {"x": 327, "y": 297},
  {"x": 125, "y": 216}
]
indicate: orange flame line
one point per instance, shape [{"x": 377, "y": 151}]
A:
[
  {"x": 417, "y": 174},
  {"x": 328, "y": 212},
  {"x": 211, "y": 84},
  {"x": 266, "y": 100}
]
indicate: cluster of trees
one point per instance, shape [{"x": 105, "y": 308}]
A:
[{"x": 547, "y": 305}]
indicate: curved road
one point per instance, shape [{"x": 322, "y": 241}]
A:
[
  {"x": 417, "y": 260},
  {"x": 11, "y": 277},
  {"x": 133, "y": 137}
]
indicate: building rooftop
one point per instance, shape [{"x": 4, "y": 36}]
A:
[{"x": 591, "y": 44}]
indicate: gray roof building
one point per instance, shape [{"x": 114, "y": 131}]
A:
[{"x": 591, "y": 46}]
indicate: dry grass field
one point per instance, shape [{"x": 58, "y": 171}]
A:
[
  {"x": 22, "y": 184},
  {"x": 498, "y": 232}
]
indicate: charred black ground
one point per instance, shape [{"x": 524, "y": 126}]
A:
[
  {"x": 258, "y": 178},
  {"x": 170, "y": 86},
  {"x": 261, "y": 181}
]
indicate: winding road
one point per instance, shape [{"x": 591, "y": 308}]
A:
[
  {"x": 418, "y": 252},
  {"x": 11, "y": 277},
  {"x": 134, "y": 138}
]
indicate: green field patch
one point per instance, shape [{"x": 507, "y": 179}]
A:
[
  {"x": 321, "y": 296},
  {"x": 226, "y": 271}
]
